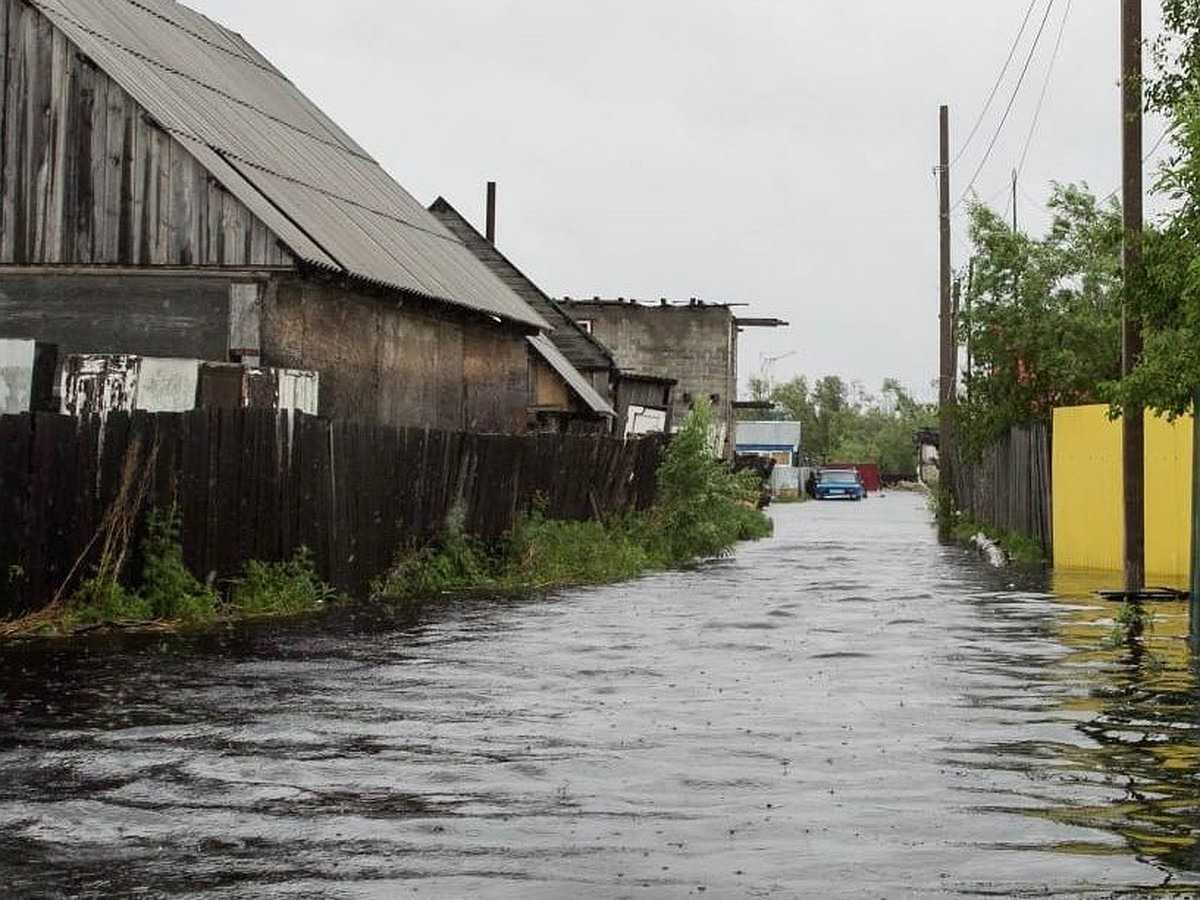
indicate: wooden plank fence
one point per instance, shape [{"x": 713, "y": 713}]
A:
[
  {"x": 1009, "y": 486},
  {"x": 257, "y": 484}
]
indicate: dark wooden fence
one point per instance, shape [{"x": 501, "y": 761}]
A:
[
  {"x": 256, "y": 484},
  {"x": 1009, "y": 486}
]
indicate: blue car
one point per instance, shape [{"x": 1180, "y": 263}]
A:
[{"x": 839, "y": 484}]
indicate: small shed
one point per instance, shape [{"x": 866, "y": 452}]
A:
[{"x": 779, "y": 441}]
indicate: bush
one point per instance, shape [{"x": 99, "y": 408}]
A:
[
  {"x": 168, "y": 588},
  {"x": 451, "y": 562},
  {"x": 101, "y": 600},
  {"x": 547, "y": 553},
  {"x": 286, "y": 587},
  {"x": 703, "y": 507}
]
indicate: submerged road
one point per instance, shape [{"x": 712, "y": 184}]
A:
[{"x": 845, "y": 710}]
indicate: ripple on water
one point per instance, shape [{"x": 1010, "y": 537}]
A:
[{"x": 847, "y": 710}]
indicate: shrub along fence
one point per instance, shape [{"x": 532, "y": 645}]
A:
[
  {"x": 1009, "y": 486},
  {"x": 258, "y": 484}
]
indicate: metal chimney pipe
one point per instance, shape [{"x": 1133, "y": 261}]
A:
[{"x": 491, "y": 212}]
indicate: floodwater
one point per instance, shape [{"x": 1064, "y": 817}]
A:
[{"x": 845, "y": 710}]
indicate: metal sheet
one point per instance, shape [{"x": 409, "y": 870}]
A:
[
  {"x": 276, "y": 152},
  {"x": 16, "y": 376},
  {"x": 167, "y": 385}
]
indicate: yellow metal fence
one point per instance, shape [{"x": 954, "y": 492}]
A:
[{"x": 1087, "y": 485}]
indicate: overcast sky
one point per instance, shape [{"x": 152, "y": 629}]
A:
[{"x": 778, "y": 153}]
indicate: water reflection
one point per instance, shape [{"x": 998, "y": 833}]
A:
[{"x": 1132, "y": 767}]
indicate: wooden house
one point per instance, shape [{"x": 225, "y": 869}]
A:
[
  {"x": 166, "y": 192},
  {"x": 636, "y": 402},
  {"x": 574, "y": 376}
]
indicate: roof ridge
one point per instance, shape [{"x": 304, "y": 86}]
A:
[
  {"x": 153, "y": 12},
  {"x": 45, "y": 6}
]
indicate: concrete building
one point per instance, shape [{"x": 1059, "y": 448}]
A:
[
  {"x": 166, "y": 193},
  {"x": 691, "y": 343}
]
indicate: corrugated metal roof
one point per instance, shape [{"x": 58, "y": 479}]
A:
[
  {"x": 588, "y": 394},
  {"x": 768, "y": 434},
  {"x": 274, "y": 150}
]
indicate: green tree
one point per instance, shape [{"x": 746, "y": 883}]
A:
[
  {"x": 841, "y": 421},
  {"x": 1041, "y": 320},
  {"x": 1169, "y": 372}
]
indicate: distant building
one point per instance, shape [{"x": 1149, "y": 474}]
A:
[
  {"x": 779, "y": 442},
  {"x": 692, "y": 343}
]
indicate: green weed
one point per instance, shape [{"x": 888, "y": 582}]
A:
[
  {"x": 284, "y": 588},
  {"x": 172, "y": 592}
]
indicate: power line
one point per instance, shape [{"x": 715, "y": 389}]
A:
[
  {"x": 1045, "y": 88},
  {"x": 1011, "y": 102},
  {"x": 1162, "y": 137},
  {"x": 995, "y": 87}
]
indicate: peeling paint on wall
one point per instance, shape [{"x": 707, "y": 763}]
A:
[
  {"x": 298, "y": 390},
  {"x": 95, "y": 384},
  {"x": 231, "y": 386}
]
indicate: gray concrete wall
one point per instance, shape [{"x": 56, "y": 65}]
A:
[{"x": 694, "y": 344}]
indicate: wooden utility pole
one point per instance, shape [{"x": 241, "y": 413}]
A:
[
  {"x": 946, "y": 377},
  {"x": 1133, "y": 437}
]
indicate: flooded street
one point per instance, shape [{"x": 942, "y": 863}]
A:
[{"x": 845, "y": 710}]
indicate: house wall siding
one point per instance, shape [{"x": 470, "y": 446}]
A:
[
  {"x": 87, "y": 177},
  {"x": 397, "y": 364},
  {"x": 152, "y": 314}
]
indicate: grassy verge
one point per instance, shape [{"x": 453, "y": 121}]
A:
[
  {"x": 1019, "y": 548},
  {"x": 168, "y": 595},
  {"x": 702, "y": 510}
]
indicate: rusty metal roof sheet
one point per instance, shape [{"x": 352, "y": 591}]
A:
[{"x": 274, "y": 150}]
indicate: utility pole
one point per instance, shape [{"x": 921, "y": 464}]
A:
[
  {"x": 946, "y": 379},
  {"x": 1133, "y": 432}
]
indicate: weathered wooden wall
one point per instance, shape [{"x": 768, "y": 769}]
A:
[
  {"x": 398, "y": 363},
  {"x": 87, "y": 177},
  {"x": 257, "y": 484},
  {"x": 1009, "y": 486},
  {"x": 147, "y": 313}
]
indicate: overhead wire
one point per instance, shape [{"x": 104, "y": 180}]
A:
[
  {"x": 995, "y": 87},
  {"x": 1037, "y": 113},
  {"x": 1011, "y": 103}
]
